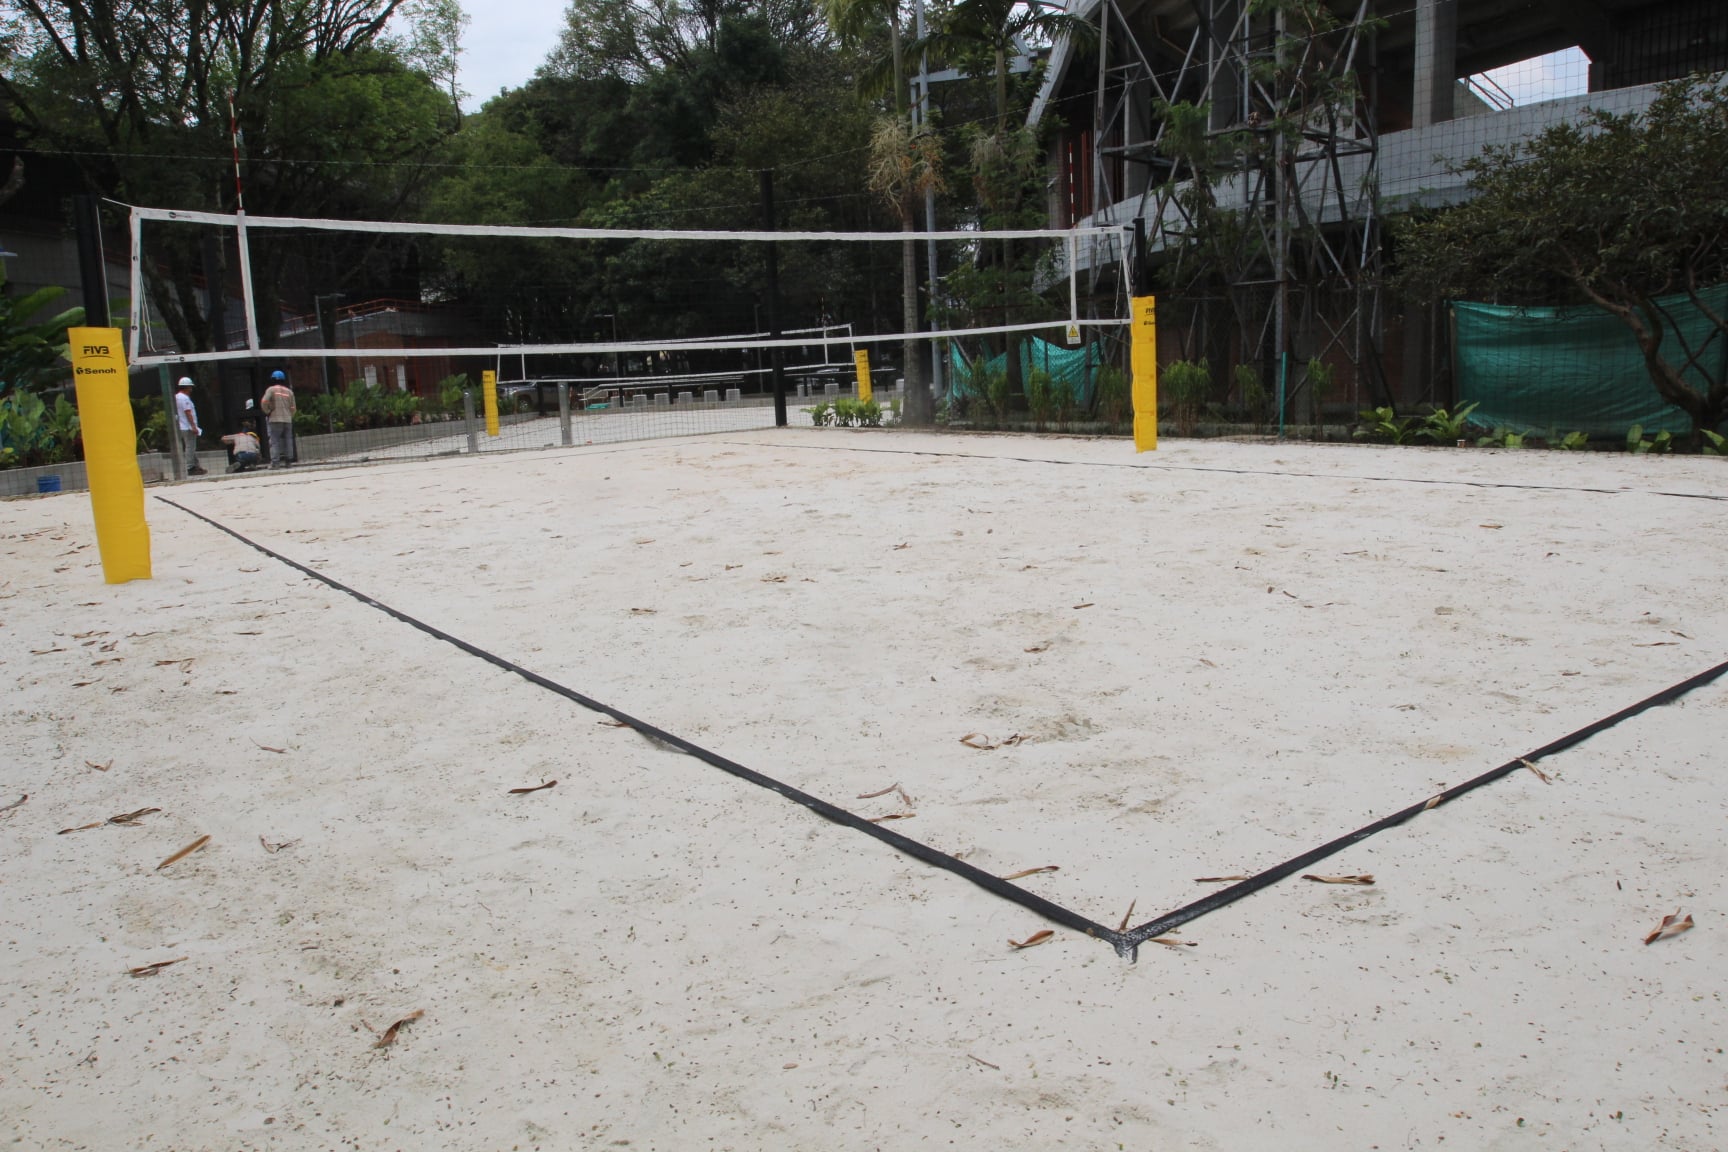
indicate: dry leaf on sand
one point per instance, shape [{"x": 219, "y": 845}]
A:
[
  {"x": 389, "y": 1036},
  {"x": 1670, "y": 926},
  {"x": 1363, "y": 878},
  {"x": 152, "y": 969},
  {"x": 892, "y": 816},
  {"x": 99, "y": 767},
  {"x": 18, "y": 803},
  {"x": 1031, "y": 872},
  {"x": 1173, "y": 942},
  {"x": 1032, "y": 940},
  {"x": 536, "y": 788},
  {"x": 267, "y": 748},
  {"x": 277, "y": 846},
  {"x": 184, "y": 852},
  {"x": 1540, "y": 775},
  {"x": 873, "y": 795},
  {"x": 1220, "y": 879},
  {"x": 1044, "y": 647},
  {"x": 1126, "y": 916}
]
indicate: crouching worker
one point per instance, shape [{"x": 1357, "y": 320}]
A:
[{"x": 244, "y": 445}]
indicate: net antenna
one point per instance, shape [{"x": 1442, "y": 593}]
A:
[{"x": 1105, "y": 244}]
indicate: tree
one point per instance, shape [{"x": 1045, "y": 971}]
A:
[
  {"x": 33, "y": 352},
  {"x": 904, "y": 164},
  {"x": 1617, "y": 211},
  {"x": 998, "y": 28},
  {"x": 334, "y": 121}
]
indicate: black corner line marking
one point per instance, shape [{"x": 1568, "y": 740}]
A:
[
  {"x": 1132, "y": 939},
  {"x": 996, "y": 886}
]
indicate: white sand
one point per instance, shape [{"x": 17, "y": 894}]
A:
[{"x": 657, "y": 953}]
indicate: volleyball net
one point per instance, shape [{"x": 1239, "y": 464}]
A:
[{"x": 391, "y": 324}]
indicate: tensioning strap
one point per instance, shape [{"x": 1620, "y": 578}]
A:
[
  {"x": 990, "y": 883},
  {"x": 1126, "y": 943}
]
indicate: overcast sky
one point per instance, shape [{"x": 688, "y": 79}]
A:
[{"x": 507, "y": 40}]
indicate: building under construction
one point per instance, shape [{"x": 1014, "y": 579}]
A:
[{"x": 1263, "y": 144}]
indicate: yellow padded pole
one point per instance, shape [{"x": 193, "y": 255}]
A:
[
  {"x": 111, "y": 452},
  {"x": 489, "y": 394},
  {"x": 1143, "y": 359},
  {"x": 862, "y": 359}
]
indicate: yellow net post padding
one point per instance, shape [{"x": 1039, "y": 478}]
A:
[
  {"x": 862, "y": 359},
  {"x": 1143, "y": 359},
  {"x": 489, "y": 395},
  {"x": 111, "y": 452}
]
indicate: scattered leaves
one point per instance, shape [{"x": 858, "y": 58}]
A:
[
  {"x": 892, "y": 816},
  {"x": 1434, "y": 801},
  {"x": 1540, "y": 775},
  {"x": 1031, "y": 871},
  {"x": 1033, "y": 940},
  {"x": 873, "y": 795},
  {"x": 1490, "y": 525},
  {"x": 1220, "y": 879},
  {"x": 100, "y": 767},
  {"x": 536, "y": 788},
  {"x": 986, "y": 1063},
  {"x": 184, "y": 852},
  {"x": 778, "y": 578},
  {"x": 1364, "y": 878},
  {"x": 1126, "y": 916},
  {"x": 899, "y": 547},
  {"x": 1077, "y": 607},
  {"x": 389, "y": 1036},
  {"x": 1670, "y": 926},
  {"x": 982, "y": 742},
  {"x": 1173, "y": 942},
  {"x": 614, "y": 724},
  {"x": 642, "y": 611},
  {"x": 1044, "y": 647},
  {"x": 267, "y": 748},
  {"x": 152, "y": 969},
  {"x": 278, "y": 846}
]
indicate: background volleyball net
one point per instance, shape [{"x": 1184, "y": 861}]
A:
[{"x": 612, "y": 333}]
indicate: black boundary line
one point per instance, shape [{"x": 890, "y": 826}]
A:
[
  {"x": 1241, "y": 471},
  {"x": 1127, "y": 943},
  {"x": 985, "y": 880},
  {"x": 1134, "y": 937}
]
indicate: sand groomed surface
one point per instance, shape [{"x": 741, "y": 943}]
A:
[{"x": 1199, "y": 662}]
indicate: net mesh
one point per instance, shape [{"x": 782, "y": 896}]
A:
[{"x": 391, "y": 326}]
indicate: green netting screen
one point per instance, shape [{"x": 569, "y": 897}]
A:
[
  {"x": 1578, "y": 369},
  {"x": 1073, "y": 367}
]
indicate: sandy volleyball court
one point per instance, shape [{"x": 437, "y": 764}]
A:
[{"x": 1213, "y": 658}]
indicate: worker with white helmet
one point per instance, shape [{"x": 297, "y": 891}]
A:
[{"x": 187, "y": 425}]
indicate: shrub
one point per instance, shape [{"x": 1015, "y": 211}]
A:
[
  {"x": 1445, "y": 427},
  {"x": 1385, "y": 426},
  {"x": 1114, "y": 398},
  {"x": 1637, "y": 445},
  {"x": 1185, "y": 385},
  {"x": 1040, "y": 398}
]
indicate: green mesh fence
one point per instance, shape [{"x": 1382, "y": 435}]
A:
[
  {"x": 1578, "y": 369},
  {"x": 1076, "y": 368}
]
